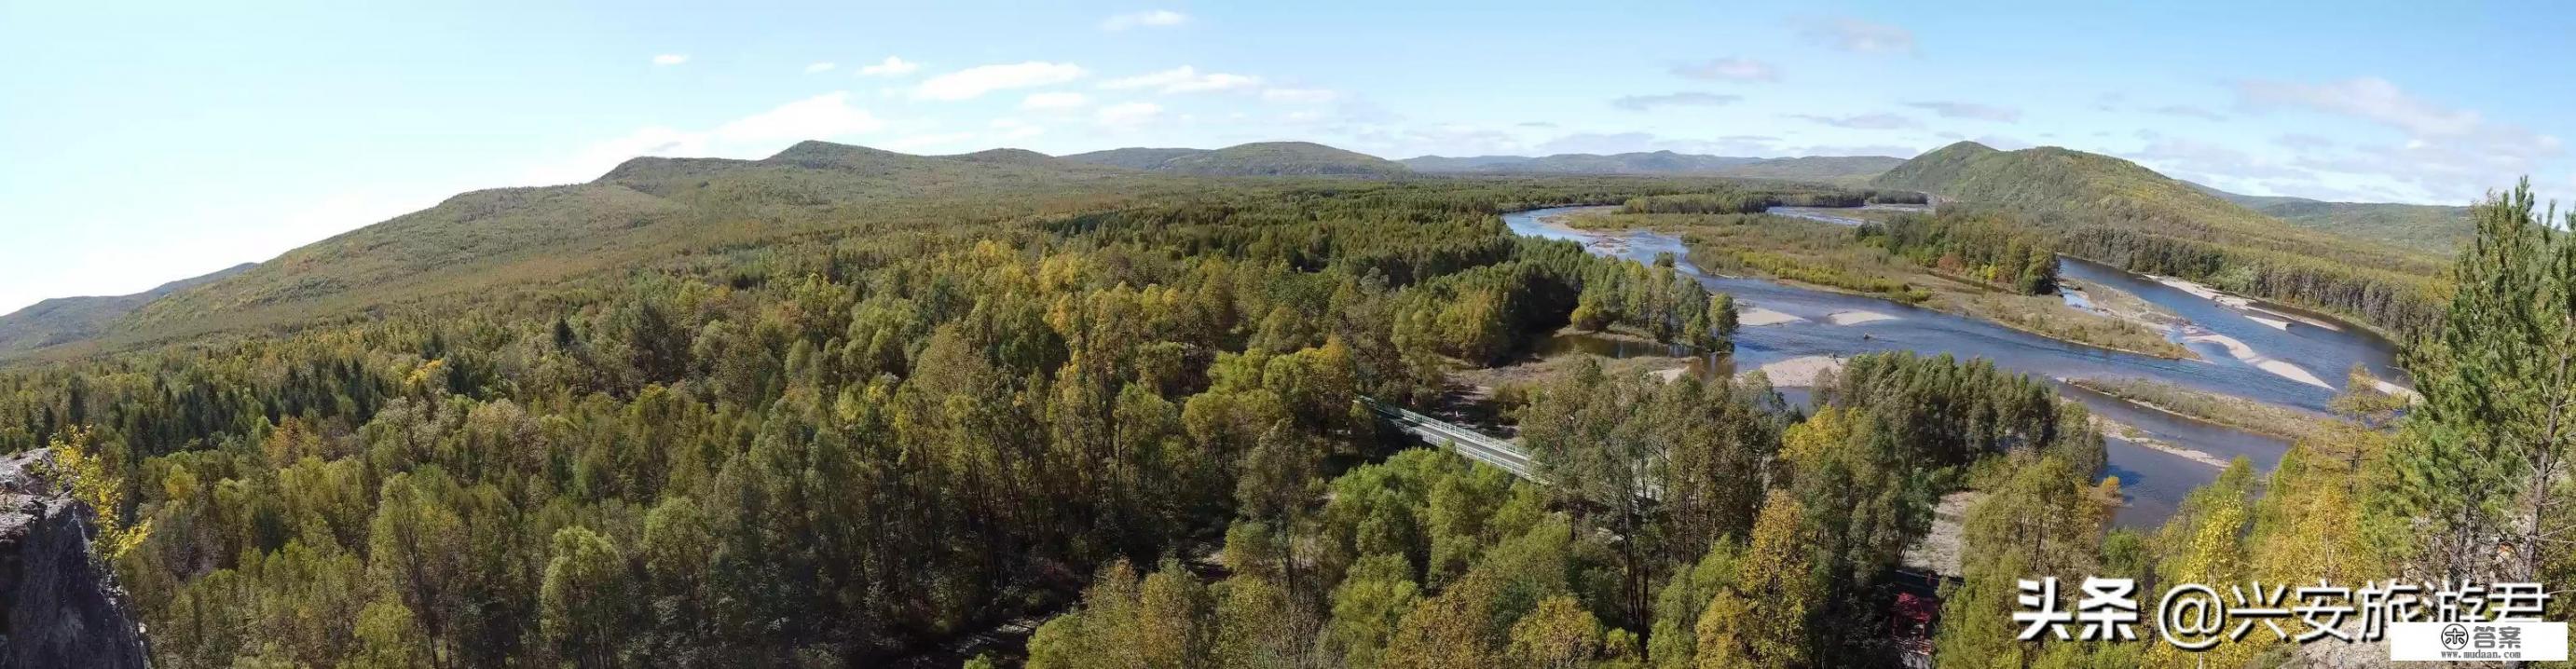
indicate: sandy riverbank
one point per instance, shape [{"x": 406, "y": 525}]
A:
[
  {"x": 1856, "y": 317},
  {"x": 1757, "y": 317},
  {"x": 2248, "y": 355},
  {"x": 1799, "y": 372}
]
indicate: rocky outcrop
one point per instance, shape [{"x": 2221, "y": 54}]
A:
[{"x": 59, "y": 607}]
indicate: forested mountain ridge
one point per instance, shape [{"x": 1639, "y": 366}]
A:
[
  {"x": 2424, "y": 227},
  {"x": 1255, "y": 159},
  {"x": 1849, "y": 170},
  {"x": 645, "y": 208},
  {"x": 2115, "y": 211},
  {"x": 66, "y": 319}
]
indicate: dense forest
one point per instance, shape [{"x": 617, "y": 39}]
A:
[
  {"x": 801, "y": 441},
  {"x": 1768, "y": 539},
  {"x": 1970, "y": 247},
  {"x": 820, "y": 450}
]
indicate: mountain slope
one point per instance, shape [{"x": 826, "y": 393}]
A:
[
  {"x": 2120, "y": 213},
  {"x": 645, "y": 209},
  {"x": 2425, "y": 227},
  {"x": 1255, "y": 159},
  {"x": 65, "y": 319},
  {"x": 1835, "y": 169},
  {"x": 2093, "y": 186}
]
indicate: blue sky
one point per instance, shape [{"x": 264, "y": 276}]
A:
[{"x": 150, "y": 143}]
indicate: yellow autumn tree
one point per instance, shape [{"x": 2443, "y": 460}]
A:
[
  {"x": 1761, "y": 621},
  {"x": 2202, "y": 546},
  {"x": 80, "y": 468}
]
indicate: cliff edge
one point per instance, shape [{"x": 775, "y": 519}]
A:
[{"x": 59, "y": 607}]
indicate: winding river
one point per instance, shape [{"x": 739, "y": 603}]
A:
[{"x": 2155, "y": 480}]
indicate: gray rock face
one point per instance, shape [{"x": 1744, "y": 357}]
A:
[{"x": 58, "y": 606}]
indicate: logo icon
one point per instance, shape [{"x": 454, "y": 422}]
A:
[{"x": 2455, "y": 637}]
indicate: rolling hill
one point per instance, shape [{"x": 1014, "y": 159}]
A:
[
  {"x": 2090, "y": 187},
  {"x": 66, "y": 319},
  {"x": 645, "y": 210},
  {"x": 2426, "y": 227},
  {"x": 2115, "y": 211},
  {"x": 1827, "y": 169},
  {"x": 1255, "y": 159}
]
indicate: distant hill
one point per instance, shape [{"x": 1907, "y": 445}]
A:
[
  {"x": 2427, "y": 227},
  {"x": 1831, "y": 169},
  {"x": 1656, "y": 162},
  {"x": 2053, "y": 178},
  {"x": 1828, "y": 169},
  {"x": 2115, "y": 211},
  {"x": 644, "y": 210},
  {"x": 1255, "y": 159},
  {"x": 66, "y": 319}
]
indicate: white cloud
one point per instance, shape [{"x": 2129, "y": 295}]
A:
[
  {"x": 1728, "y": 69},
  {"x": 2368, "y": 98},
  {"x": 1054, "y": 100},
  {"x": 1127, "y": 114},
  {"x": 818, "y": 117},
  {"x": 973, "y": 82},
  {"x": 1862, "y": 122},
  {"x": 1298, "y": 95},
  {"x": 2188, "y": 111},
  {"x": 890, "y": 67},
  {"x": 1969, "y": 110},
  {"x": 1648, "y": 102},
  {"x": 820, "y": 67},
  {"x": 1012, "y": 129},
  {"x": 1858, "y": 36},
  {"x": 918, "y": 142},
  {"x": 1184, "y": 79},
  {"x": 596, "y": 159},
  {"x": 2205, "y": 162},
  {"x": 671, "y": 59},
  {"x": 2445, "y": 155},
  {"x": 1155, "y": 18},
  {"x": 826, "y": 116}
]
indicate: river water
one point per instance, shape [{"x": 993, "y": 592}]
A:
[{"x": 2154, "y": 480}]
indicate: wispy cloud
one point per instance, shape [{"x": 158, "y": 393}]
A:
[
  {"x": 1128, "y": 114},
  {"x": 1728, "y": 69},
  {"x": 1858, "y": 36},
  {"x": 1863, "y": 121},
  {"x": 2188, "y": 111},
  {"x": 1184, "y": 79},
  {"x": 1648, "y": 102},
  {"x": 1054, "y": 100},
  {"x": 1298, "y": 95},
  {"x": 2447, "y": 154},
  {"x": 820, "y": 67},
  {"x": 974, "y": 82},
  {"x": 826, "y": 116},
  {"x": 1969, "y": 110},
  {"x": 671, "y": 59},
  {"x": 890, "y": 67},
  {"x": 2368, "y": 98},
  {"x": 1148, "y": 19},
  {"x": 918, "y": 142}
]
